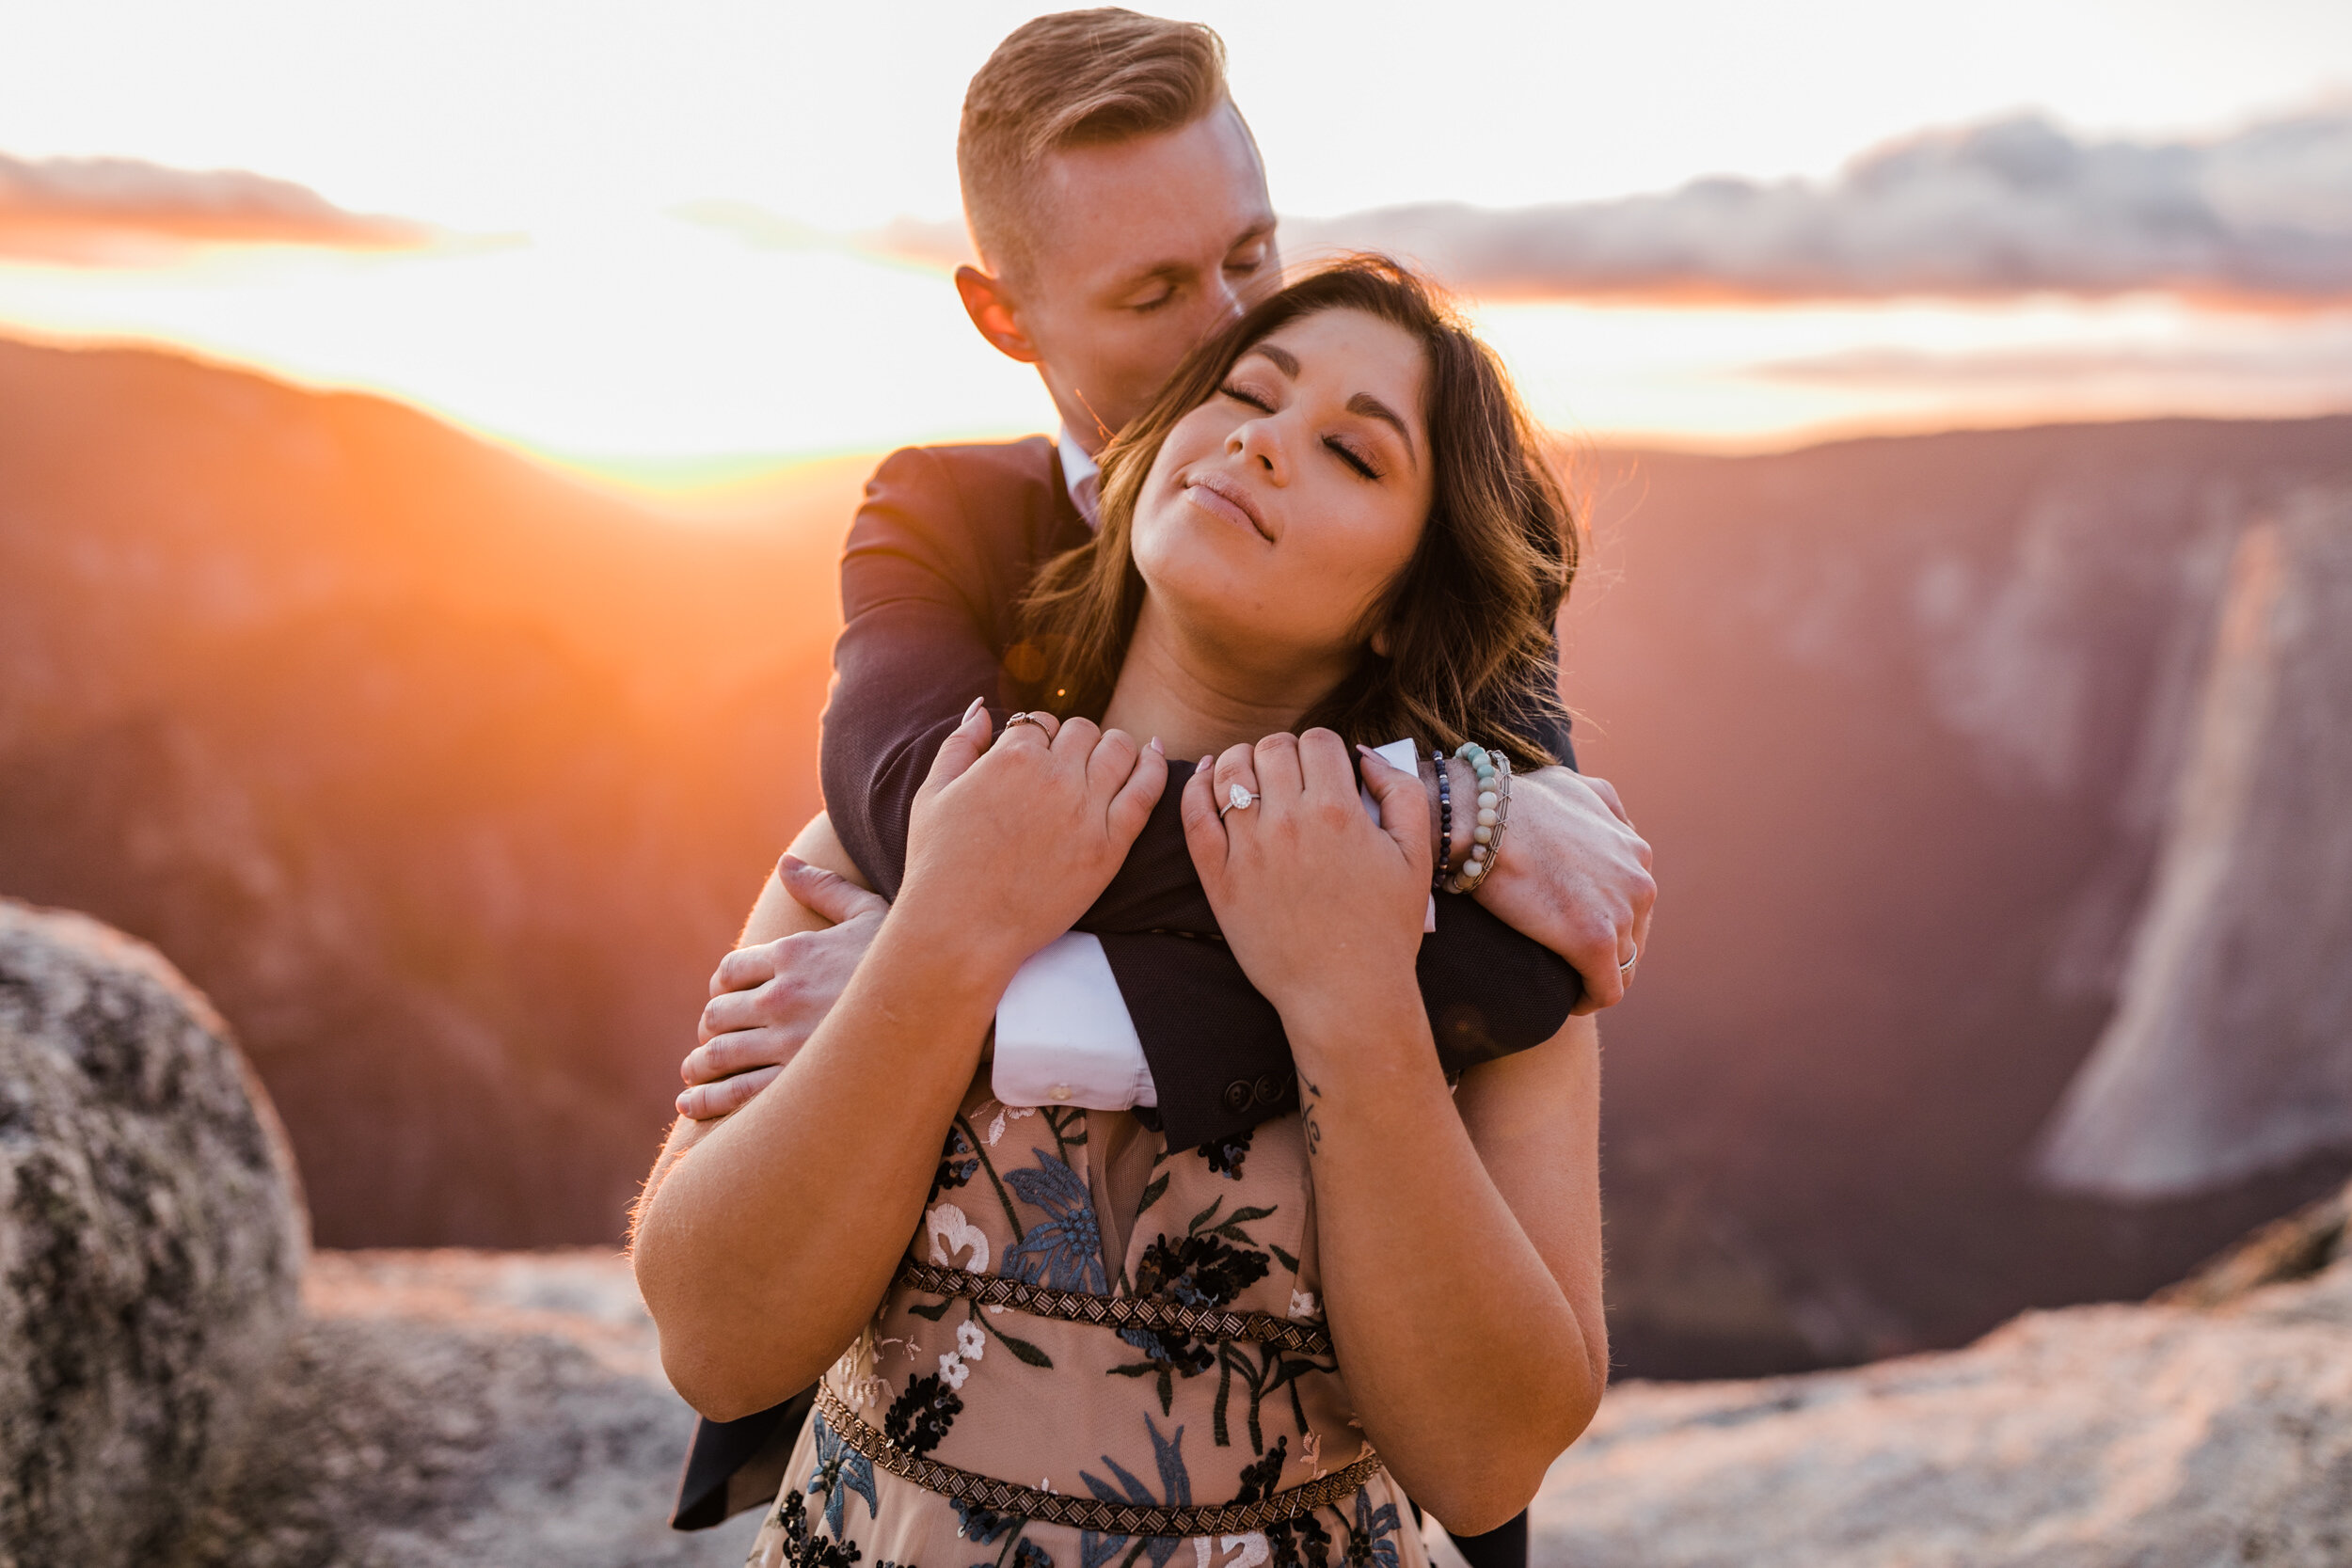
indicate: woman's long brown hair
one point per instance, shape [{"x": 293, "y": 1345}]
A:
[{"x": 1469, "y": 620}]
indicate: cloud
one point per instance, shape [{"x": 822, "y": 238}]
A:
[
  {"x": 126, "y": 211},
  {"x": 2326, "y": 363},
  {"x": 2017, "y": 206},
  {"x": 934, "y": 245}
]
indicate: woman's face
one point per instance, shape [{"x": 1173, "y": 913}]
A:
[{"x": 1280, "y": 512}]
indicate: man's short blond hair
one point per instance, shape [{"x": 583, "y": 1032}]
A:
[{"x": 1074, "y": 79}]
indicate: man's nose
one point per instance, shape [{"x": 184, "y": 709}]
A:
[
  {"x": 1235, "y": 305},
  {"x": 1222, "y": 306}
]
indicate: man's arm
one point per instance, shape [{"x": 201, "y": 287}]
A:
[
  {"x": 812, "y": 923},
  {"x": 1574, "y": 877},
  {"x": 929, "y": 589}
]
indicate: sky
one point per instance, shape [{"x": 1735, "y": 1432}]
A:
[{"x": 640, "y": 237}]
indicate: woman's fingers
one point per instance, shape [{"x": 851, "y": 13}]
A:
[
  {"x": 1109, "y": 763},
  {"x": 1235, "y": 765},
  {"x": 1325, "y": 775},
  {"x": 961, "y": 750},
  {"x": 1279, "y": 776},
  {"x": 1204, "y": 835},
  {"x": 1029, "y": 728},
  {"x": 1404, "y": 806},
  {"x": 1130, "y": 806}
]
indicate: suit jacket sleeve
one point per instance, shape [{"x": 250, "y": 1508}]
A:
[{"x": 920, "y": 638}]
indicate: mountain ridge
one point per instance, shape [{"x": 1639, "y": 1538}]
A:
[{"x": 449, "y": 779}]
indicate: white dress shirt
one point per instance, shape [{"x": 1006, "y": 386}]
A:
[{"x": 1082, "y": 476}]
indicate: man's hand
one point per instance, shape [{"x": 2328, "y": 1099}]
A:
[
  {"x": 766, "y": 999},
  {"x": 1574, "y": 876}
]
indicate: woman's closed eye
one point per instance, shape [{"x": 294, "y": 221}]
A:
[
  {"x": 1240, "y": 393},
  {"x": 1350, "y": 457}
]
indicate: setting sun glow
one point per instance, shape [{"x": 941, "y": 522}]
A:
[{"x": 566, "y": 288}]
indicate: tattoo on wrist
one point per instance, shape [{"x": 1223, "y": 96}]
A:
[{"x": 1310, "y": 1095}]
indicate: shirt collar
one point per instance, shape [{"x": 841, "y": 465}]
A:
[{"x": 1083, "y": 476}]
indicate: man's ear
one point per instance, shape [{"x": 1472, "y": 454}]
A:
[{"x": 993, "y": 310}]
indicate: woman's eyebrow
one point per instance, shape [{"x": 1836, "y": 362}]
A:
[
  {"x": 1284, "y": 360},
  {"x": 1372, "y": 409}
]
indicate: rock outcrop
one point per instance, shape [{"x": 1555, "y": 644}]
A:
[
  {"x": 2231, "y": 1048},
  {"x": 2166, "y": 1436},
  {"x": 452, "y": 1409},
  {"x": 151, "y": 1254},
  {"x": 177, "y": 1390}
]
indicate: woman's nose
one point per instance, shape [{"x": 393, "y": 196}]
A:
[{"x": 1256, "y": 441}]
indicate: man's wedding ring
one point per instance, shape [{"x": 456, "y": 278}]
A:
[
  {"x": 1025, "y": 718},
  {"x": 1236, "y": 799},
  {"x": 1627, "y": 966}
]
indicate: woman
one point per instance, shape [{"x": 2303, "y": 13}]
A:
[{"x": 1334, "y": 522}]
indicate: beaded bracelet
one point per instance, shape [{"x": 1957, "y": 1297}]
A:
[
  {"x": 1494, "y": 813},
  {"x": 1445, "y": 820}
]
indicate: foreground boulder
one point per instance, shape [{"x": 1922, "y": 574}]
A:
[
  {"x": 2212, "y": 1426},
  {"x": 152, "y": 1252},
  {"x": 176, "y": 1389}
]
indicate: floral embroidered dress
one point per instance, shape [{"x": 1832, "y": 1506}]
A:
[{"x": 1041, "y": 1389}]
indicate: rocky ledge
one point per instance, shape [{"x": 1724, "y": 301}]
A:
[
  {"x": 466, "y": 1408},
  {"x": 2212, "y": 1425}
]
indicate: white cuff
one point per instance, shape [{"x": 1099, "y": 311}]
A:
[{"x": 1064, "y": 1037}]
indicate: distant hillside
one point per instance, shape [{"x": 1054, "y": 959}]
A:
[
  {"x": 449, "y": 779},
  {"x": 1903, "y": 718}
]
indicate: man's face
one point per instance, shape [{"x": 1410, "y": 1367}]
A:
[{"x": 1144, "y": 248}]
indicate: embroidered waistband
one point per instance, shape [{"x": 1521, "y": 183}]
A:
[
  {"x": 1094, "y": 1513},
  {"x": 1149, "y": 1312}
]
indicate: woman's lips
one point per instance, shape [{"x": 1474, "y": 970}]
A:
[{"x": 1221, "y": 497}]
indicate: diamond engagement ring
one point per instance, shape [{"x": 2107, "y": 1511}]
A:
[{"x": 1236, "y": 799}]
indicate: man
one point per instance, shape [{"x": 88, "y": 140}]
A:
[{"x": 1117, "y": 198}]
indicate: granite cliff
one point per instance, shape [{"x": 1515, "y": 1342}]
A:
[{"x": 1914, "y": 723}]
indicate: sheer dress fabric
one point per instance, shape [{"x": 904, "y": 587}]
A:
[{"x": 1094, "y": 1202}]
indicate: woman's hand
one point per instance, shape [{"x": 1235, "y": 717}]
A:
[
  {"x": 1321, "y": 905},
  {"x": 1008, "y": 843}
]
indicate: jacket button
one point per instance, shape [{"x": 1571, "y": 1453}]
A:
[
  {"x": 1238, "y": 1094},
  {"x": 1270, "y": 1088}
]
